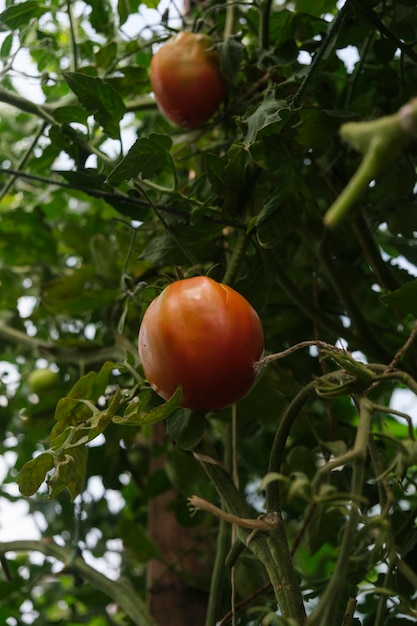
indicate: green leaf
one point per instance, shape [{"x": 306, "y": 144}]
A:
[
  {"x": 70, "y": 114},
  {"x": 316, "y": 129},
  {"x": 99, "y": 99},
  {"x": 6, "y": 46},
  {"x": 147, "y": 156},
  {"x": 268, "y": 119},
  {"x": 403, "y": 299},
  {"x": 93, "y": 385},
  {"x": 317, "y": 8},
  {"x": 19, "y": 15},
  {"x": 102, "y": 419},
  {"x": 106, "y": 55},
  {"x": 279, "y": 217},
  {"x": 215, "y": 171},
  {"x": 69, "y": 473},
  {"x": 138, "y": 414},
  {"x": 18, "y": 245},
  {"x": 186, "y": 428},
  {"x": 231, "y": 53},
  {"x": 33, "y": 473},
  {"x": 77, "y": 293},
  {"x": 101, "y": 17},
  {"x": 73, "y": 409}
]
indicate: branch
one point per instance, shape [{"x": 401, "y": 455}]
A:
[
  {"x": 373, "y": 18},
  {"x": 263, "y": 522},
  {"x": 23, "y": 104},
  {"x": 60, "y": 354},
  {"x": 46, "y": 113},
  {"x": 121, "y": 590}
]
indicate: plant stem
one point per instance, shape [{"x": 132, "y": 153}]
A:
[
  {"x": 61, "y": 354},
  {"x": 355, "y": 188},
  {"x": 372, "y": 17},
  {"x": 324, "y": 48},
  {"x": 381, "y": 142},
  {"x": 74, "y": 57},
  {"x": 217, "y": 576},
  {"x": 234, "y": 265},
  {"x": 4, "y": 190},
  {"x": 222, "y": 545},
  {"x": 229, "y": 26},
  {"x": 271, "y": 547},
  {"x": 121, "y": 591},
  {"x": 265, "y": 10},
  {"x": 46, "y": 113},
  {"x": 273, "y": 495},
  {"x": 329, "y": 605}
]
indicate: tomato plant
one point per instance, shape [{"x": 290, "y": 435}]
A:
[
  {"x": 204, "y": 336},
  {"x": 186, "y": 79}
]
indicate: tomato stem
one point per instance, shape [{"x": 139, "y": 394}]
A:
[{"x": 230, "y": 22}]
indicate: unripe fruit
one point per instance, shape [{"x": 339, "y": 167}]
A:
[{"x": 42, "y": 380}]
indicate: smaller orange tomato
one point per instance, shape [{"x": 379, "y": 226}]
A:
[
  {"x": 186, "y": 79},
  {"x": 204, "y": 336}
]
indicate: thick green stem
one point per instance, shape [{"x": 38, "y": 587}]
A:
[
  {"x": 270, "y": 547},
  {"x": 355, "y": 188},
  {"x": 222, "y": 547},
  {"x": 381, "y": 142},
  {"x": 273, "y": 497},
  {"x": 264, "y": 24},
  {"x": 230, "y": 22},
  {"x": 217, "y": 578}
]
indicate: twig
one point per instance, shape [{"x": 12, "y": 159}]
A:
[
  {"x": 59, "y": 353},
  {"x": 243, "y": 603},
  {"x": 326, "y": 44},
  {"x": 264, "y": 522},
  {"x": 299, "y": 346},
  {"x": 400, "y": 353}
]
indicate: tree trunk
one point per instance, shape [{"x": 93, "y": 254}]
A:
[{"x": 171, "y": 601}]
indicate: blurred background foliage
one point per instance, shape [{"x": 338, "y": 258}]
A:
[{"x": 103, "y": 201}]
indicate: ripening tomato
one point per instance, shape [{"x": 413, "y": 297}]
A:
[
  {"x": 186, "y": 79},
  {"x": 204, "y": 336}
]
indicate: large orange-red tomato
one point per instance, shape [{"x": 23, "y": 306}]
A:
[
  {"x": 204, "y": 336},
  {"x": 186, "y": 79}
]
